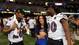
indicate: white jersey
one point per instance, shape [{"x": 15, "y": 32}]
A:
[
  {"x": 55, "y": 30},
  {"x": 32, "y": 23},
  {"x": 10, "y": 22}
]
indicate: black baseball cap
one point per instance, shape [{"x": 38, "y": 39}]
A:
[{"x": 19, "y": 11}]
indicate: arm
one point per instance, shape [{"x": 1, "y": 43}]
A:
[
  {"x": 7, "y": 28},
  {"x": 66, "y": 30},
  {"x": 41, "y": 35}
]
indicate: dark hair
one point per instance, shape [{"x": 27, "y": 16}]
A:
[
  {"x": 51, "y": 5},
  {"x": 45, "y": 24}
]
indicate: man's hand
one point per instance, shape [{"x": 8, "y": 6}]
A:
[
  {"x": 6, "y": 29},
  {"x": 72, "y": 42},
  {"x": 27, "y": 30},
  {"x": 14, "y": 25},
  {"x": 42, "y": 34}
]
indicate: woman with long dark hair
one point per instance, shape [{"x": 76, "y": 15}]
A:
[{"x": 41, "y": 31}]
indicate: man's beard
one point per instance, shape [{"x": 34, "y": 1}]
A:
[{"x": 20, "y": 19}]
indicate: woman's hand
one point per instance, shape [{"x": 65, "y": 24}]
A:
[{"x": 41, "y": 35}]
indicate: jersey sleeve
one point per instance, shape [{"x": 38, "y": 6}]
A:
[
  {"x": 10, "y": 22},
  {"x": 60, "y": 16}
]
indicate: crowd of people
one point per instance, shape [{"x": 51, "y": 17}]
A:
[{"x": 46, "y": 30}]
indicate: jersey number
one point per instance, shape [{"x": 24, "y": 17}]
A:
[{"x": 53, "y": 26}]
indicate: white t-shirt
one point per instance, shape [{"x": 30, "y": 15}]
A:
[
  {"x": 32, "y": 23},
  {"x": 10, "y": 22},
  {"x": 55, "y": 30}
]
